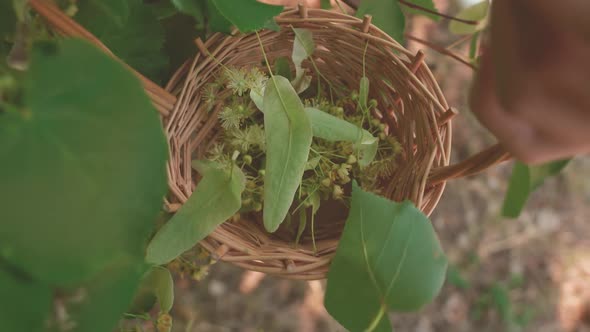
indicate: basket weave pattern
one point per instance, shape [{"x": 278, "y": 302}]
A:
[{"x": 412, "y": 107}]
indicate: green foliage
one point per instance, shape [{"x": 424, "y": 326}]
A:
[
  {"x": 194, "y": 8},
  {"x": 325, "y": 4},
  {"x": 98, "y": 304},
  {"x": 250, "y": 15},
  {"x": 288, "y": 139},
  {"x": 216, "y": 198},
  {"x": 389, "y": 258},
  {"x": 24, "y": 303},
  {"x": 156, "y": 284},
  {"x": 429, "y": 4},
  {"x": 7, "y": 20},
  {"x": 524, "y": 180},
  {"x": 387, "y": 15},
  {"x": 130, "y": 29},
  {"x": 72, "y": 159},
  {"x": 477, "y": 12}
]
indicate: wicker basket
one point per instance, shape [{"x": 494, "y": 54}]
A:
[{"x": 415, "y": 111}]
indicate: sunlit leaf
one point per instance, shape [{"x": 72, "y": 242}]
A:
[
  {"x": 89, "y": 155},
  {"x": 248, "y": 15},
  {"x": 389, "y": 258},
  {"x": 428, "y": 4},
  {"x": 288, "y": 140},
  {"x": 524, "y": 180},
  {"x": 331, "y": 128},
  {"x": 387, "y": 15},
  {"x": 216, "y": 198},
  {"x": 477, "y": 12},
  {"x": 24, "y": 304}
]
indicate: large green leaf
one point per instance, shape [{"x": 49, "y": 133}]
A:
[
  {"x": 477, "y": 12},
  {"x": 331, "y": 128},
  {"x": 216, "y": 198},
  {"x": 303, "y": 47},
  {"x": 83, "y": 166},
  {"x": 194, "y": 8},
  {"x": 217, "y": 22},
  {"x": 7, "y": 20},
  {"x": 428, "y": 4},
  {"x": 24, "y": 304},
  {"x": 389, "y": 258},
  {"x": 288, "y": 140},
  {"x": 524, "y": 180},
  {"x": 247, "y": 15},
  {"x": 98, "y": 304},
  {"x": 130, "y": 29},
  {"x": 387, "y": 15}
]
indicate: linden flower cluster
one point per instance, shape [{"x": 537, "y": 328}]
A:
[{"x": 331, "y": 165}]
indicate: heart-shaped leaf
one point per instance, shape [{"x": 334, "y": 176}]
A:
[
  {"x": 389, "y": 258},
  {"x": 387, "y": 16},
  {"x": 83, "y": 166},
  {"x": 217, "y": 197},
  {"x": 24, "y": 304},
  {"x": 288, "y": 140},
  {"x": 248, "y": 15}
]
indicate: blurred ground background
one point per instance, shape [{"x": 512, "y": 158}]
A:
[{"x": 529, "y": 274}]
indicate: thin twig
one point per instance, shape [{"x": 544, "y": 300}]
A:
[
  {"x": 434, "y": 12},
  {"x": 442, "y": 50}
]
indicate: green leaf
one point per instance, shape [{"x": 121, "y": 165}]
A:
[
  {"x": 303, "y": 47},
  {"x": 217, "y": 22},
  {"x": 326, "y": 4},
  {"x": 524, "y": 180},
  {"x": 24, "y": 304},
  {"x": 429, "y": 4},
  {"x": 7, "y": 20},
  {"x": 501, "y": 300},
  {"x": 331, "y": 128},
  {"x": 100, "y": 302},
  {"x": 477, "y": 12},
  {"x": 248, "y": 15},
  {"x": 130, "y": 29},
  {"x": 518, "y": 191},
  {"x": 83, "y": 166},
  {"x": 158, "y": 284},
  {"x": 389, "y": 258},
  {"x": 387, "y": 16},
  {"x": 216, "y": 198},
  {"x": 282, "y": 68},
  {"x": 288, "y": 140}
]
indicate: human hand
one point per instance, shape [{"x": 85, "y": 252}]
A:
[{"x": 533, "y": 86}]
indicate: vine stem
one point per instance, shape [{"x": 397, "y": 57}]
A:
[
  {"x": 441, "y": 50},
  {"x": 376, "y": 320},
  {"x": 434, "y": 12}
]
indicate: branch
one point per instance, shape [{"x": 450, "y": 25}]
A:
[{"x": 434, "y": 12}]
